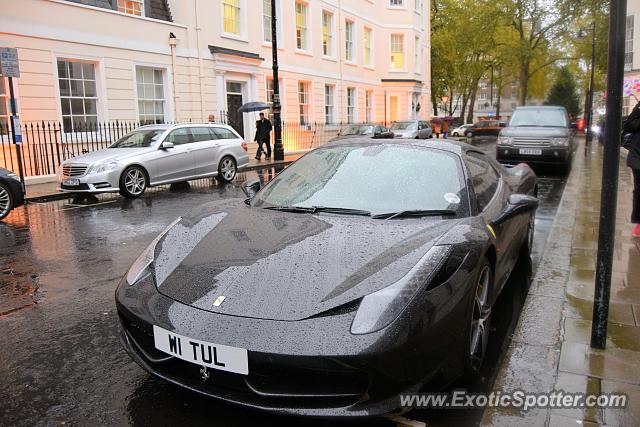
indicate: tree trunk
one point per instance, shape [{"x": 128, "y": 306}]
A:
[
  {"x": 472, "y": 102},
  {"x": 524, "y": 82},
  {"x": 434, "y": 102},
  {"x": 465, "y": 98}
]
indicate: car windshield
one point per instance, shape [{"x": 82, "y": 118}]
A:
[
  {"x": 404, "y": 126},
  {"x": 138, "y": 139},
  {"x": 377, "y": 179},
  {"x": 544, "y": 117},
  {"x": 357, "y": 130}
]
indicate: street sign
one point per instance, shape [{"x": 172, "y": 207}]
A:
[
  {"x": 9, "y": 66},
  {"x": 17, "y": 130}
]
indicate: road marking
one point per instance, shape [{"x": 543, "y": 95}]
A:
[{"x": 73, "y": 206}]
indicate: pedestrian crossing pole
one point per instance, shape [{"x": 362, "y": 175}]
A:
[{"x": 610, "y": 168}]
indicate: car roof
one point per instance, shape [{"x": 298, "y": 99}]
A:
[
  {"x": 176, "y": 125},
  {"x": 449, "y": 145},
  {"x": 541, "y": 107}
]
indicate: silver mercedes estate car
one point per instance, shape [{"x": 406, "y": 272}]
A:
[{"x": 154, "y": 155}]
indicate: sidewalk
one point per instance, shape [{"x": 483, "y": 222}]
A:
[
  {"x": 550, "y": 347},
  {"x": 42, "y": 191}
]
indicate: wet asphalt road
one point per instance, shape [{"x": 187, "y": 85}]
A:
[{"x": 60, "y": 358}]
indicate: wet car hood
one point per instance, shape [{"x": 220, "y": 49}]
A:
[
  {"x": 107, "y": 155},
  {"x": 535, "y": 131},
  {"x": 286, "y": 266}
]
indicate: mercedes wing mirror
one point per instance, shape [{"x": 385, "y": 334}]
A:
[
  {"x": 251, "y": 187},
  {"x": 166, "y": 145}
]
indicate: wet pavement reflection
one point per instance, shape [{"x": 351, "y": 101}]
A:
[{"x": 60, "y": 357}]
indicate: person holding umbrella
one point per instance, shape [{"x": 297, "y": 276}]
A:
[
  {"x": 263, "y": 136},
  {"x": 631, "y": 141}
]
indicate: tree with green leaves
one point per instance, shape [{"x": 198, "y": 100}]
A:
[{"x": 564, "y": 92}]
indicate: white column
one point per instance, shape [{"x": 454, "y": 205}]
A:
[{"x": 221, "y": 91}]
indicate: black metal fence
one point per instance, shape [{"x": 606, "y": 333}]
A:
[{"x": 45, "y": 145}]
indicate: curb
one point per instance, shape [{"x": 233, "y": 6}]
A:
[
  {"x": 531, "y": 362},
  {"x": 61, "y": 196}
]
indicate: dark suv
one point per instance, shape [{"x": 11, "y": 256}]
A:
[
  {"x": 486, "y": 129},
  {"x": 537, "y": 135}
]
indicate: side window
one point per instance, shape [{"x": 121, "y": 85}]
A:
[
  {"x": 224, "y": 133},
  {"x": 179, "y": 136},
  {"x": 202, "y": 134},
  {"x": 484, "y": 178}
]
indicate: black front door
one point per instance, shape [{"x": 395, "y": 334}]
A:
[{"x": 236, "y": 121}]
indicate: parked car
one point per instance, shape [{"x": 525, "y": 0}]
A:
[
  {"x": 461, "y": 130},
  {"x": 538, "y": 134},
  {"x": 11, "y": 194},
  {"x": 414, "y": 129},
  {"x": 155, "y": 155},
  {"x": 368, "y": 129},
  {"x": 350, "y": 282},
  {"x": 485, "y": 130}
]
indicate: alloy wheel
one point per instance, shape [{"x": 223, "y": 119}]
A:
[
  {"x": 5, "y": 202},
  {"x": 135, "y": 182},
  {"x": 480, "y": 319},
  {"x": 228, "y": 169}
]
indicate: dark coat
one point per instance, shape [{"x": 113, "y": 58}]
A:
[
  {"x": 263, "y": 130},
  {"x": 632, "y": 125}
]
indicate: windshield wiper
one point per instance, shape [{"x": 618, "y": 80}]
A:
[
  {"x": 314, "y": 209},
  {"x": 415, "y": 213},
  {"x": 290, "y": 209}
]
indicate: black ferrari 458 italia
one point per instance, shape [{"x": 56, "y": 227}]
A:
[{"x": 364, "y": 270}]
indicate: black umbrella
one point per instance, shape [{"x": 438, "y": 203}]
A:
[{"x": 253, "y": 106}]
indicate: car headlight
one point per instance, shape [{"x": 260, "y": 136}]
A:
[
  {"x": 142, "y": 266},
  {"x": 505, "y": 140},
  {"x": 102, "y": 168},
  {"x": 379, "y": 309},
  {"x": 13, "y": 176},
  {"x": 562, "y": 142}
]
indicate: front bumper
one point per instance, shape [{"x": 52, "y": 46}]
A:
[
  {"x": 105, "y": 182},
  {"x": 312, "y": 367},
  {"x": 549, "y": 155}
]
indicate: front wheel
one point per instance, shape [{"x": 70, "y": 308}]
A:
[
  {"x": 479, "y": 321},
  {"x": 133, "y": 182},
  {"x": 226, "y": 169},
  {"x": 6, "y": 201}
]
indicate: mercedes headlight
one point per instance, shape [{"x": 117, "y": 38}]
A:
[
  {"x": 102, "y": 168},
  {"x": 379, "y": 309},
  {"x": 505, "y": 140},
  {"x": 142, "y": 266},
  {"x": 561, "y": 142}
]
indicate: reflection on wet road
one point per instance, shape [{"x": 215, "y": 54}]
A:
[{"x": 60, "y": 358}]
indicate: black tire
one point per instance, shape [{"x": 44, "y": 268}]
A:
[
  {"x": 133, "y": 182},
  {"x": 227, "y": 169},
  {"x": 6, "y": 201},
  {"x": 479, "y": 316}
]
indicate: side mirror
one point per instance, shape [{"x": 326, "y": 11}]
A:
[
  {"x": 251, "y": 187},
  {"x": 518, "y": 204},
  {"x": 166, "y": 145}
]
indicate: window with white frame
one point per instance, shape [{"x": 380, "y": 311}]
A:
[
  {"x": 482, "y": 95},
  {"x": 4, "y": 107},
  {"x": 329, "y": 117},
  {"x": 151, "y": 103},
  {"x": 303, "y": 101},
  {"x": 266, "y": 21},
  {"x": 366, "y": 40},
  {"x": 368, "y": 106},
  {"x": 78, "y": 95},
  {"x": 301, "y": 26},
  {"x": 351, "y": 105},
  {"x": 397, "y": 51},
  {"x": 418, "y": 6},
  {"x": 396, "y": 3},
  {"x": 348, "y": 40},
  {"x": 417, "y": 58},
  {"x": 269, "y": 89},
  {"x": 628, "y": 43},
  {"x": 327, "y": 33},
  {"x": 131, "y": 7},
  {"x": 231, "y": 16}
]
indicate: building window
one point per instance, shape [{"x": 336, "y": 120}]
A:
[
  {"x": 351, "y": 105},
  {"x": 418, "y": 6},
  {"x": 4, "y": 106},
  {"x": 301, "y": 26},
  {"x": 131, "y": 7},
  {"x": 231, "y": 15},
  {"x": 416, "y": 57},
  {"x": 328, "y": 104},
  {"x": 266, "y": 20},
  {"x": 482, "y": 95},
  {"x": 397, "y": 51},
  {"x": 327, "y": 33},
  {"x": 367, "y": 46},
  {"x": 396, "y": 3},
  {"x": 628, "y": 44},
  {"x": 270, "y": 96},
  {"x": 368, "y": 106},
  {"x": 78, "y": 95},
  {"x": 303, "y": 101},
  {"x": 348, "y": 40},
  {"x": 150, "y": 95}
]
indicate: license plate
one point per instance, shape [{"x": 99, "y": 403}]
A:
[
  {"x": 71, "y": 182},
  {"x": 531, "y": 151},
  {"x": 215, "y": 356}
]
